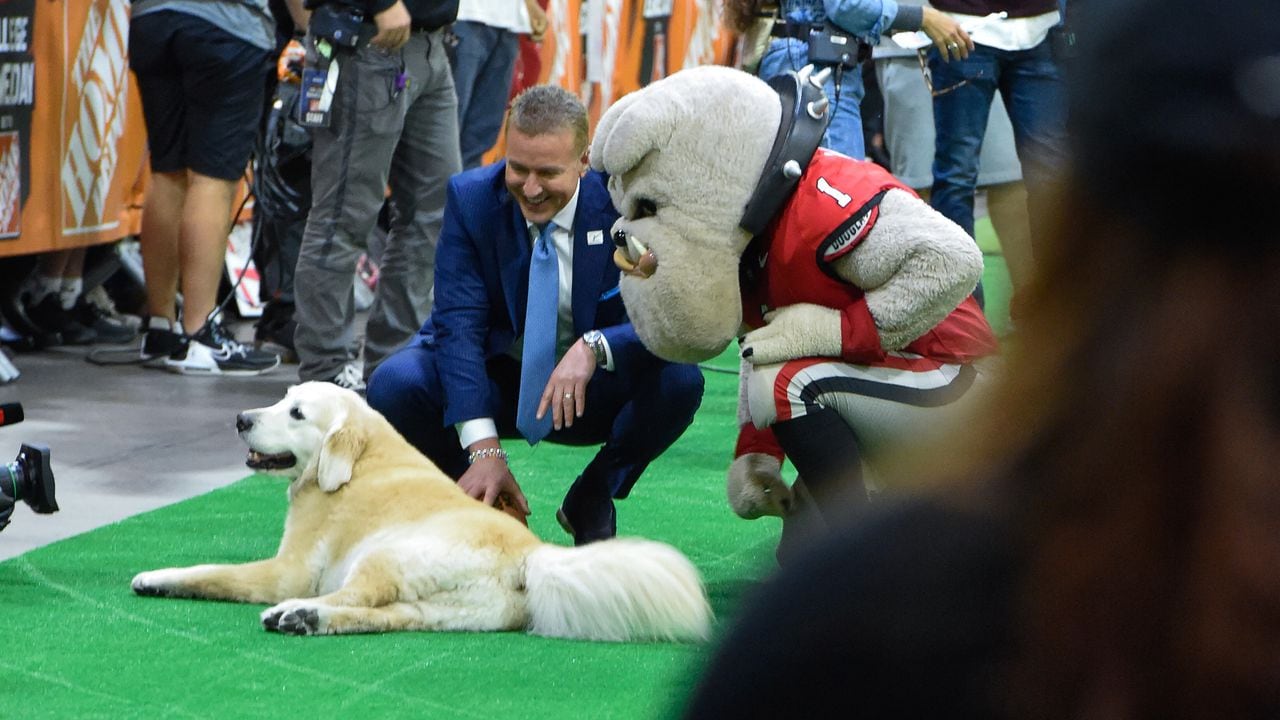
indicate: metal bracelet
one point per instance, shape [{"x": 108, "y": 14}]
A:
[{"x": 482, "y": 453}]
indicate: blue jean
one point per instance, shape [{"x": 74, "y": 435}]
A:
[
  {"x": 844, "y": 134},
  {"x": 482, "y": 64},
  {"x": 1032, "y": 86}
]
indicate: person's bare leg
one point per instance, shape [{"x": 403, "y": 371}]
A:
[
  {"x": 206, "y": 220},
  {"x": 45, "y": 279},
  {"x": 1007, "y": 208},
  {"x": 73, "y": 263},
  {"x": 161, "y": 219},
  {"x": 72, "y": 275},
  {"x": 52, "y": 264}
]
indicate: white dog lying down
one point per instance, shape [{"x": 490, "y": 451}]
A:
[{"x": 378, "y": 539}]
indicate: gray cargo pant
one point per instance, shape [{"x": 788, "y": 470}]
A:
[{"x": 394, "y": 122}]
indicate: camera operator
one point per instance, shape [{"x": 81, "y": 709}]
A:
[
  {"x": 828, "y": 33},
  {"x": 378, "y": 94},
  {"x": 28, "y": 478}
]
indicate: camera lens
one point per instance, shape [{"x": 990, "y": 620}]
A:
[{"x": 29, "y": 478}]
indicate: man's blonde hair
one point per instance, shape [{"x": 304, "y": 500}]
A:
[{"x": 544, "y": 109}]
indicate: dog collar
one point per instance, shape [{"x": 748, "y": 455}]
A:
[{"x": 805, "y": 114}]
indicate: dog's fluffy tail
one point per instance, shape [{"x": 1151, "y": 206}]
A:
[{"x": 616, "y": 590}]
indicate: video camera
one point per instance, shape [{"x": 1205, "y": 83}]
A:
[{"x": 29, "y": 477}]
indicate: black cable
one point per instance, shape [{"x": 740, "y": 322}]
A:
[
  {"x": 130, "y": 355},
  {"x": 253, "y": 240},
  {"x": 712, "y": 368}
]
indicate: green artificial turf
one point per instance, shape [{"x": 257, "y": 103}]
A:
[
  {"x": 79, "y": 644},
  {"x": 995, "y": 278}
]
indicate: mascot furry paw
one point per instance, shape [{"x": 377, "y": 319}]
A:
[
  {"x": 755, "y": 487},
  {"x": 850, "y": 294}
]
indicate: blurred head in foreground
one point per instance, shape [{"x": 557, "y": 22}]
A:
[
  {"x": 1140, "y": 430},
  {"x": 1130, "y": 463}
]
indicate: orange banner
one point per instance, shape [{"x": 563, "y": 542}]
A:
[
  {"x": 604, "y": 49},
  {"x": 72, "y": 141},
  {"x": 73, "y": 145}
]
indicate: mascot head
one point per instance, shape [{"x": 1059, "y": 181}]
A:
[{"x": 698, "y": 163}]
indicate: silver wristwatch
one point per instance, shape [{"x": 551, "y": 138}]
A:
[{"x": 595, "y": 340}]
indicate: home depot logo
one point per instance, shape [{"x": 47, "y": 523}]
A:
[
  {"x": 96, "y": 94},
  {"x": 10, "y": 185},
  {"x": 702, "y": 41},
  {"x": 566, "y": 31}
]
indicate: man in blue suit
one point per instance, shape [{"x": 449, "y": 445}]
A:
[{"x": 474, "y": 374}]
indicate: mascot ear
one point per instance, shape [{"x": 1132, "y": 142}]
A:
[
  {"x": 342, "y": 445},
  {"x": 629, "y": 130}
]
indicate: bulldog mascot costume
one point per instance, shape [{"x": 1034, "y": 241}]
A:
[{"x": 854, "y": 295}]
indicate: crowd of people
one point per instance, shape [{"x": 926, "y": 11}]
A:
[
  {"x": 412, "y": 86},
  {"x": 1102, "y": 542},
  {"x": 381, "y": 184}
]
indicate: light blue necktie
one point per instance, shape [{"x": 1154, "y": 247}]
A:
[{"x": 539, "y": 357}]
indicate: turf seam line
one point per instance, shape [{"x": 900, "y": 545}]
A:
[
  {"x": 35, "y": 574},
  {"x": 120, "y": 699}
]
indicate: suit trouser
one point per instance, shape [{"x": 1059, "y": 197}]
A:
[
  {"x": 636, "y": 415},
  {"x": 381, "y": 132}
]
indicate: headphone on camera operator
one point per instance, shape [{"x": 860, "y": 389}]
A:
[{"x": 29, "y": 477}]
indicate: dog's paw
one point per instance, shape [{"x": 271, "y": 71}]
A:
[
  {"x": 292, "y": 618},
  {"x": 271, "y": 619},
  {"x": 300, "y": 621},
  {"x": 155, "y": 583}
]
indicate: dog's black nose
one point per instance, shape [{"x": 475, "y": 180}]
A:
[
  {"x": 620, "y": 238},
  {"x": 243, "y": 422}
]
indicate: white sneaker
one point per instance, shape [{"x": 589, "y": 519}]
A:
[
  {"x": 350, "y": 378},
  {"x": 212, "y": 352}
]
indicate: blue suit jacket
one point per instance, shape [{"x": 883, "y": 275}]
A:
[{"x": 482, "y": 280}]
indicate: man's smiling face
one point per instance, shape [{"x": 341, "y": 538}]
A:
[{"x": 543, "y": 171}]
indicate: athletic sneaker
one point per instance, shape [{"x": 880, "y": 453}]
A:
[
  {"x": 51, "y": 319},
  {"x": 350, "y": 378},
  {"x": 96, "y": 310},
  {"x": 211, "y": 351},
  {"x": 274, "y": 331},
  {"x": 160, "y": 339}
]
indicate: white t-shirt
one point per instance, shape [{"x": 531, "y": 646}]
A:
[
  {"x": 510, "y": 15},
  {"x": 1002, "y": 34}
]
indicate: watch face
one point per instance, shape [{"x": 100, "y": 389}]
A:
[{"x": 595, "y": 340}]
